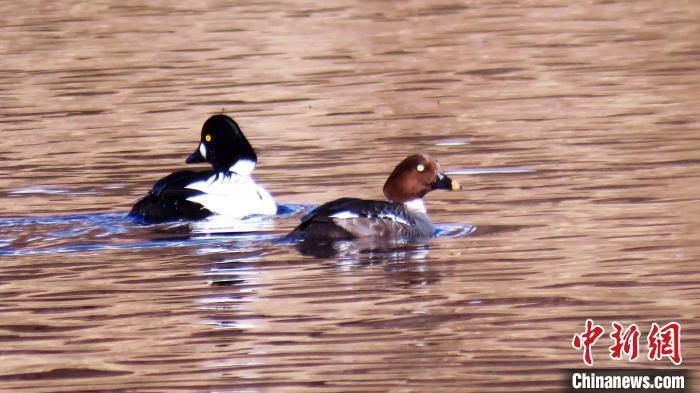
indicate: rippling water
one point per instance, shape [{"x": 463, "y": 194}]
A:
[{"x": 573, "y": 127}]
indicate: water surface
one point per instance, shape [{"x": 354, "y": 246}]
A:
[{"x": 573, "y": 128}]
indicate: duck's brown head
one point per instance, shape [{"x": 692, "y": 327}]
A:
[{"x": 416, "y": 176}]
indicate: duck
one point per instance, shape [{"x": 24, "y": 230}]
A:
[
  {"x": 227, "y": 189},
  {"x": 402, "y": 216}
]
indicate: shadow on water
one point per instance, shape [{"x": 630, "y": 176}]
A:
[
  {"x": 378, "y": 250},
  {"x": 372, "y": 250}
]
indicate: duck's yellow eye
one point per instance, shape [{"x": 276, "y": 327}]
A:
[
  {"x": 420, "y": 168},
  {"x": 207, "y": 138}
]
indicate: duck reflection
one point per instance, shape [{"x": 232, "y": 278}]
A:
[{"x": 368, "y": 250}]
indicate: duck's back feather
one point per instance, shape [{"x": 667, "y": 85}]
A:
[
  {"x": 349, "y": 218},
  {"x": 179, "y": 180},
  {"x": 168, "y": 199},
  {"x": 189, "y": 195}
]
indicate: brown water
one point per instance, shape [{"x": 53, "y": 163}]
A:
[{"x": 599, "y": 100}]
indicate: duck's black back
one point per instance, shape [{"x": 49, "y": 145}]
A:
[{"x": 167, "y": 200}]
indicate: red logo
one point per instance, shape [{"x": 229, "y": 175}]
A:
[
  {"x": 665, "y": 341},
  {"x": 662, "y": 342},
  {"x": 586, "y": 340},
  {"x": 626, "y": 342}
]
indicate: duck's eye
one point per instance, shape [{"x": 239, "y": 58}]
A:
[
  {"x": 207, "y": 138},
  {"x": 420, "y": 168}
]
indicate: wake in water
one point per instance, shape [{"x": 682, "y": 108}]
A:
[
  {"x": 94, "y": 232},
  {"x": 118, "y": 231},
  {"x": 113, "y": 231}
]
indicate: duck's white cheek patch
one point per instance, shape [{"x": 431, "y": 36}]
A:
[
  {"x": 203, "y": 150},
  {"x": 344, "y": 214}
]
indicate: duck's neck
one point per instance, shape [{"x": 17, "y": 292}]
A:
[
  {"x": 416, "y": 205},
  {"x": 243, "y": 167}
]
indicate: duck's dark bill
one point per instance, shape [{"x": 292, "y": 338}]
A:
[
  {"x": 195, "y": 157},
  {"x": 445, "y": 183}
]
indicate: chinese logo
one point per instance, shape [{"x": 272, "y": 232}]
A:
[{"x": 662, "y": 342}]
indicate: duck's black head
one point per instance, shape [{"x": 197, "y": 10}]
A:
[{"x": 222, "y": 144}]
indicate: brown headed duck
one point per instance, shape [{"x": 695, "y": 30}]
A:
[{"x": 403, "y": 216}]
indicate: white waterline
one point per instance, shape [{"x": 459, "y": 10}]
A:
[{"x": 479, "y": 171}]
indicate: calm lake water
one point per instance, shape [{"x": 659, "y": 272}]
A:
[{"x": 572, "y": 126}]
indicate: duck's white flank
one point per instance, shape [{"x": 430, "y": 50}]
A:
[
  {"x": 394, "y": 217},
  {"x": 346, "y": 214},
  {"x": 234, "y": 193}
]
